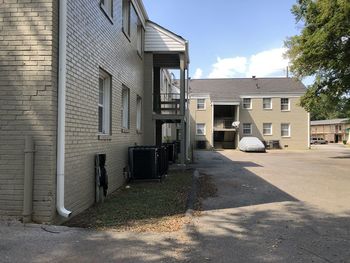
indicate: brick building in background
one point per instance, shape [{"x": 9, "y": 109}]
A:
[
  {"x": 333, "y": 130},
  {"x": 79, "y": 78}
]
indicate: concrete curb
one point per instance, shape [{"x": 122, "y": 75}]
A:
[{"x": 193, "y": 194}]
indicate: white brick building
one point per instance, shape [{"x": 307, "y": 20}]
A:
[{"x": 110, "y": 87}]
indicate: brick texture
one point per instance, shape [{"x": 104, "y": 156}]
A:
[
  {"x": 28, "y": 73},
  {"x": 95, "y": 42},
  {"x": 28, "y": 100}
]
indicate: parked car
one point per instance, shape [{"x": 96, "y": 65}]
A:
[
  {"x": 318, "y": 141},
  {"x": 251, "y": 144}
]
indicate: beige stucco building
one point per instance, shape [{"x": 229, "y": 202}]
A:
[
  {"x": 333, "y": 131},
  {"x": 224, "y": 110},
  {"x": 80, "y": 78}
]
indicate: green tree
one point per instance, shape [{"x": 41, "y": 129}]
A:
[
  {"x": 323, "y": 107},
  {"x": 322, "y": 50}
]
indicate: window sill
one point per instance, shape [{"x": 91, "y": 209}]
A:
[
  {"x": 285, "y": 110},
  {"x": 104, "y": 137},
  {"x": 124, "y": 130},
  {"x": 139, "y": 132},
  {"x": 267, "y": 134},
  {"x": 286, "y": 137},
  {"x": 201, "y": 109},
  {"x": 267, "y": 109},
  {"x": 247, "y": 108},
  {"x": 106, "y": 13},
  {"x": 126, "y": 35}
]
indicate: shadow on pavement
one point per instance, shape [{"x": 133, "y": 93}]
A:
[
  {"x": 237, "y": 186},
  {"x": 285, "y": 232},
  {"x": 251, "y": 220}
]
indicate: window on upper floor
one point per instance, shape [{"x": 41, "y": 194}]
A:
[
  {"x": 126, "y": 17},
  {"x": 285, "y": 129},
  {"x": 247, "y": 103},
  {"x": 267, "y": 103},
  {"x": 247, "y": 128},
  {"x": 139, "y": 113},
  {"x": 200, "y": 104},
  {"x": 267, "y": 128},
  {"x": 107, "y": 7},
  {"x": 285, "y": 104},
  {"x": 140, "y": 38},
  {"x": 104, "y": 102},
  {"x": 125, "y": 108},
  {"x": 200, "y": 129}
]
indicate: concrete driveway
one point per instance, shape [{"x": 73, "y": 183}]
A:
[{"x": 280, "y": 206}]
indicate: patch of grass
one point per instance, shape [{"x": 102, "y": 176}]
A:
[{"x": 142, "y": 206}]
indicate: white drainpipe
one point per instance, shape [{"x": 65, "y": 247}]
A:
[{"x": 61, "y": 109}]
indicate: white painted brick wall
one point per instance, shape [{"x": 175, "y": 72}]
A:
[
  {"x": 94, "y": 42},
  {"x": 28, "y": 100}
]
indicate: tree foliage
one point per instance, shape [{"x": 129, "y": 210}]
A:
[
  {"x": 323, "y": 107},
  {"x": 322, "y": 50}
]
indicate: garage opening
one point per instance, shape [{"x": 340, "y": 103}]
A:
[
  {"x": 224, "y": 139},
  {"x": 224, "y": 131}
]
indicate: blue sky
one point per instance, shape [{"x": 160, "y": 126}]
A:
[{"x": 231, "y": 38}]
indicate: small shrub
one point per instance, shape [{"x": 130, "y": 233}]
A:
[{"x": 344, "y": 142}]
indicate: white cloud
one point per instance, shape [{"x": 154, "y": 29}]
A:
[
  {"x": 267, "y": 63},
  {"x": 263, "y": 64},
  {"x": 228, "y": 67},
  {"x": 198, "y": 74}
]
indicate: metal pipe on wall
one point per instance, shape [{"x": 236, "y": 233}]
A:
[{"x": 28, "y": 179}]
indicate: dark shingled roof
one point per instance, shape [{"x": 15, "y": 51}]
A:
[{"x": 224, "y": 89}]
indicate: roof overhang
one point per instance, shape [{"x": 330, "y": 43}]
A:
[
  {"x": 162, "y": 41},
  {"x": 200, "y": 96},
  {"x": 273, "y": 95},
  {"x": 141, "y": 11},
  {"x": 232, "y": 103}
]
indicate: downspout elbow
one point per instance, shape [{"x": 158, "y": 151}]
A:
[{"x": 61, "y": 210}]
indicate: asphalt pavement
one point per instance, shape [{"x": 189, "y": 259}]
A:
[{"x": 280, "y": 206}]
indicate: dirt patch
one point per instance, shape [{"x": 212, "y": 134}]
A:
[{"x": 141, "y": 207}]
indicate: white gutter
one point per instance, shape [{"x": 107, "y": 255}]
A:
[{"x": 61, "y": 109}]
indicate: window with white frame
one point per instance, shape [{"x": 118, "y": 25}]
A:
[
  {"x": 126, "y": 17},
  {"x": 247, "y": 103},
  {"x": 140, "y": 38},
  {"x": 267, "y": 128},
  {"x": 200, "y": 128},
  {"x": 285, "y": 129},
  {"x": 200, "y": 104},
  {"x": 107, "y": 7},
  {"x": 285, "y": 104},
  {"x": 104, "y": 102},
  {"x": 267, "y": 103},
  {"x": 138, "y": 113},
  {"x": 247, "y": 128},
  {"x": 125, "y": 108}
]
